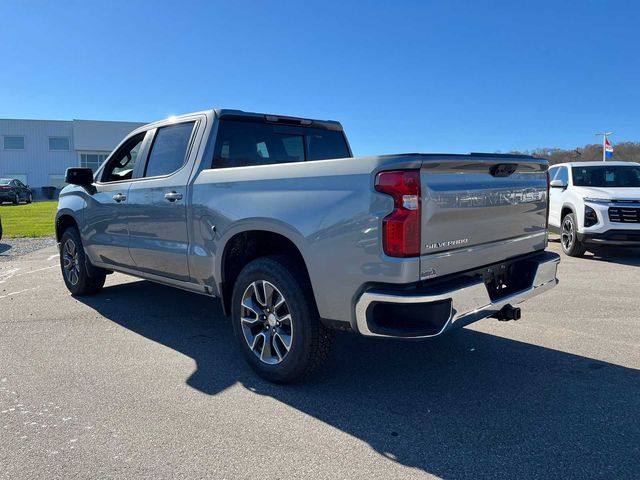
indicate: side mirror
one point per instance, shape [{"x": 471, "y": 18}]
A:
[
  {"x": 558, "y": 184},
  {"x": 79, "y": 176}
]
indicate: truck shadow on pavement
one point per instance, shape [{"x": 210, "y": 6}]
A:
[{"x": 467, "y": 405}]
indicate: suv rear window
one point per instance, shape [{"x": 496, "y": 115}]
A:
[{"x": 244, "y": 143}]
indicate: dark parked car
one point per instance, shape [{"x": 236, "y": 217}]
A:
[{"x": 13, "y": 190}]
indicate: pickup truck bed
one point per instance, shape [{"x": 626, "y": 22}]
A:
[{"x": 396, "y": 245}]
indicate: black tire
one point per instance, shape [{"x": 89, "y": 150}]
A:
[
  {"x": 72, "y": 257},
  {"x": 30, "y": 198},
  {"x": 310, "y": 341},
  {"x": 569, "y": 237},
  {"x": 16, "y": 200}
]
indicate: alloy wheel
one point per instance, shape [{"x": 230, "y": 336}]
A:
[
  {"x": 71, "y": 262},
  {"x": 266, "y": 322},
  {"x": 568, "y": 235}
]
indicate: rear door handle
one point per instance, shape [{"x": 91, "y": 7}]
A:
[
  {"x": 119, "y": 197},
  {"x": 173, "y": 196}
]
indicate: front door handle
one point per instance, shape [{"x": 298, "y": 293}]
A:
[
  {"x": 119, "y": 197},
  {"x": 173, "y": 196}
]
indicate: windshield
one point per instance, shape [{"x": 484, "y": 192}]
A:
[{"x": 607, "y": 176}]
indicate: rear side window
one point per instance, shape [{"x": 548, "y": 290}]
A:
[
  {"x": 244, "y": 143},
  {"x": 169, "y": 150},
  {"x": 324, "y": 144}
]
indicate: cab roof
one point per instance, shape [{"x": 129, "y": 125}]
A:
[
  {"x": 281, "y": 119},
  {"x": 253, "y": 117}
]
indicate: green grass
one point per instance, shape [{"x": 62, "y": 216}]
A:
[{"x": 33, "y": 220}]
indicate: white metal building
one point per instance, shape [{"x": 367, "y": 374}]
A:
[{"x": 38, "y": 152}]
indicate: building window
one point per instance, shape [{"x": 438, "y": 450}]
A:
[
  {"x": 92, "y": 160},
  {"x": 57, "y": 181},
  {"x": 13, "y": 142},
  {"x": 58, "y": 143}
]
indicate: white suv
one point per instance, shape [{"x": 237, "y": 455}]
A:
[{"x": 595, "y": 203}]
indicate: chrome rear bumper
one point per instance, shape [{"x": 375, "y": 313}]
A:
[{"x": 469, "y": 302}]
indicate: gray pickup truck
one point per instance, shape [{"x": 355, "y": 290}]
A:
[{"x": 274, "y": 216}]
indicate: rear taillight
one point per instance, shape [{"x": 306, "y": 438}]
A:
[{"x": 401, "y": 228}]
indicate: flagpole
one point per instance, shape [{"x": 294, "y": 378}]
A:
[{"x": 605, "y": 135}]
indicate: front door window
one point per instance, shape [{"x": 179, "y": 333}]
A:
[{"x": 122, "y": 163}]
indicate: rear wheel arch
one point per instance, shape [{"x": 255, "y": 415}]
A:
[{"x": 248, "y": 245}]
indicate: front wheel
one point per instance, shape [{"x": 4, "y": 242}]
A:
[
  {"x": 276, "y": 322},
  {"x": 16, "y": 200},
  {"x": 569, "y": 237},
  {"x": 30, "y": 198},
  {"x": 75, "y": 267}
]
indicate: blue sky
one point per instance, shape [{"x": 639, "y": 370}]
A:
[{"x": 408, "y": 76}]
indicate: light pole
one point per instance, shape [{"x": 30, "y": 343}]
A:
[{"x": 604, "y": 144}]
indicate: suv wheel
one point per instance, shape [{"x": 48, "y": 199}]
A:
[
  {"x": 569, "y": 237},
  {"x": 75, "y": 266},
  {"x": 276, "y": 322}
]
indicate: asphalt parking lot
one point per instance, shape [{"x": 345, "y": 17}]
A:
[{"x": 143, "y": 381}]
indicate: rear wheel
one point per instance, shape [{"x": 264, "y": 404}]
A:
[
  {"x": 16, "y": 200},
  {"x": 30, "y": 198},
  {"x": 569, "y": 237},
  {"x": 276, "y": 322},
  {"x": 75, "y": 266}
]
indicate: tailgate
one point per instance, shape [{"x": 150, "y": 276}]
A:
[{"x": 478, "y": 209}]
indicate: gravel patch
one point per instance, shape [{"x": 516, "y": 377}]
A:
[{"x": 14, "y": 247}]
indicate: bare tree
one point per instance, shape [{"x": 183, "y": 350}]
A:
[{"x": 624, "y": 151}]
